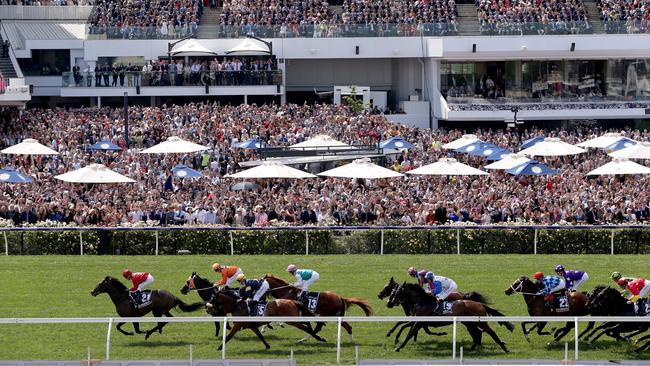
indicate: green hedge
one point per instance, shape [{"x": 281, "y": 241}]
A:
[{"x": 598, "y": 241}]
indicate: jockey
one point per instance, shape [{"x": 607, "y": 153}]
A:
[
  {"x": 618, "y": 276},
  {"x": 304, "y": 278},
  {"x": 439, "y": 286},
  {"x": 638, "y": 287},
  {"x": 228, "y": 274},
  {"x": 141, "y": 280},
  {"x": 252, "y": 291},
  {"x": 419, "y": 275},
  {"x": 573, "y": 279},
  {"x": 551, "y": 284}
]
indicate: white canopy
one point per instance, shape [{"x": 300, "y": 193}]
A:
[
  {"x": 174, "y": 145},
  {"x": 552, "y": 146},
  {"x": 361, "y": 168},
  {"x": 620, "y": 166},
  {"x": 319, "y": 142},
  {"x": 447, "y": 166},
  {"x": 508, "y": 162},
  {"x": 463, "y": 141},
  {"x": 271, "y": 170},
  {"x": 603, "y": 141},
  {"x": 94, "y": 173},
  {"x": 249, "y": 47},
  {"x": 192, "y": 47},
  {"x": 638, "y": 151},
  {"x": 29, "y": 147}
]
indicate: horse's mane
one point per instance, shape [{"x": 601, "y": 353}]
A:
[
  {"x": 117, "y": 283},
  {"x": 271, "y": 276},
  {"x": 414, "y": 287},
  {"x": 202, "y": 279}
]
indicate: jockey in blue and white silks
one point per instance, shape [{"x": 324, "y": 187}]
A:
[
  {"x": 551, "y": 284},
  {"x": 439, "y": 286}
]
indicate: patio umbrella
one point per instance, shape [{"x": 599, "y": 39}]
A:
[
  {"x": 463, "y": 141},
  {"x": 192, "y": 47},
  {"x": 174, "y": 145},
  {"x": 244, "y": 186},
  {"x": 508, "y": 162},
  {"x": 620, "y": 166},
  {"x": 319, "y": 142},
  {"x": 94, "y": 173},
  {"x": 447, "y": 166},
  {"x": 29, "y": 147},
  {"x": 603, "y": 141},
  {"x": 552, "y": 146},
  {"x": 620, "y": 144},
  {"x": 271, "y": 169},
  {"x": 252, "y": 144},
  {"x": 361, "y": 168},
  {"x": 9, "y": 175},
  {"x": 479, "y": 148},
  {"x": 183, "y": 171},
  {"x": 532, "y": 167},
  {"x": 638, "y": 151},
  {"x": 498, "y": 155},
  {"x": 532, "y": 141},
  {"x": 396, "y": 143},
  {"x": 248, "y": 47},
  {"x": 104, "y": 145}
]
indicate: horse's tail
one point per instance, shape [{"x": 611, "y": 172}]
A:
[
  {"x": 363, "y": 304},
  {"x": 495, "y": 312},
  {"x": 189, "y": 307},
  {"x": 476, "y": 297}
]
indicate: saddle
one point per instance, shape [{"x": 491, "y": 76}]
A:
[
  {"x": 642, "y": 307},
  {"x": 310, "y": 300},
  {"x": 444, "y": 308},
  {"x": 140, "y": 299}
]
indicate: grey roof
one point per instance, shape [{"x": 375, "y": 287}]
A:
[{"x": 19, "y": 32}]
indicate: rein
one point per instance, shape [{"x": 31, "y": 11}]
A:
[{"x": 518, "y": 291}]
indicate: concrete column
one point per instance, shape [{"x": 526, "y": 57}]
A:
[{"x": 431, "y": 89}]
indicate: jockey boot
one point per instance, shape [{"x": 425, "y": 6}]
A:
[
  {"x": 137, "y": 296},
  {"x": 303, "y": 297},
  {"x": 252, "y": 304}
]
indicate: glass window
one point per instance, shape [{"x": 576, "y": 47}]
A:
[{"x": 46, "y": 62}]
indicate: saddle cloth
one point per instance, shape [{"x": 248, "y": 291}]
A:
[
  {"x": 642, "y": 307},
  {"x": 260, "y": 307},
  {"x": 311, "y": 301},
  {"x": 444, "y": 308},
  {"x": 145, "y": 299},
  {"x": 560, "y": 302}
]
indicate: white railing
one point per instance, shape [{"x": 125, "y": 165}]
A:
[
  {"x": 20, "y": 12},
  {"x": 350, "y": 319}
]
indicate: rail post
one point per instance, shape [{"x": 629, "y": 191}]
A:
[
  {"x": 232, "y": 243},
  {"x": 306, "y": 242},
  {"x": 223, "y": 338},
  {"x": 576, "y": 334},
  {"x": 453, "y": 339},
  {"x": 612, "y": 243},
  {"x": 457, "y": 241},
  {"x": 338, "y": 341},
  {"x": 108, "y": 339},
  {"x": 88, "y": 356},
  {"x": 4, "y": 233},
  {"x": 191, "y": 355},
  {"x": 535, "y": 243},
  {"x": 381, "y": 242},
  {"x": 156, "y": 232},
  {"x": 81, "y": 243}
]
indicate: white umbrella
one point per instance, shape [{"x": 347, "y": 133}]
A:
[
  {"x": 174, "y": 145},
  {"x": 552, "y": 146},
  {"x": 603, "y": 141},
  {"x": 620, "y": 166},
  {"x": 248, "y": 47},
  {"x": 508, "y": 162},
  {"x": 638, "y": 151},
  {"x": 361, "y": 168},
  {"x": 463, "y": 141},
  {"x": 192, "y": 47},
  {"x": 319, "y": 142},
  {"x": 94, "y": 173},
  {"x": 29, "y": 147},
  {"x": 447, "y": 166},
  {"x": 271, "y": 169}
]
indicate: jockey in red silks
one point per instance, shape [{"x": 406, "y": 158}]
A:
[{"x": 141, "y": 280}]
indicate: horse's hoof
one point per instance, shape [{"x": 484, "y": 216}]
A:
[
  {"x": 302, "y": 340},
  {"x": 267, "y": 347},
  {"x": 321, "y": 339},
  {"x": 551, "y": 344},
  {"x": 397, "y": 349},
  {"x": 219, "y": 349}
]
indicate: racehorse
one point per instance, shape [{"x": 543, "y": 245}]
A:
[
  {"x": 232, "y": 304},
  {"x": 537, "y": 307},
  {"x": 204, "y": 288},
  {"x": 161, "y": 302},
  {"x": 392, "y": 285},
  {"x": 425, "y": 305},
  {"x": 329, "y": 303}
]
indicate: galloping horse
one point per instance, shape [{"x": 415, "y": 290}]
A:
[
  {"x": 231, "y": 303},
  {"x": 161, "y": 303},
  {"x": 537, "y": 307},
  {"x": 425, "y": 305},
  {"x": 205, "y": 290},
  {"x": 329, "y": 303}
]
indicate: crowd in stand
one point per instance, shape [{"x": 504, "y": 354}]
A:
[
  {"x": 625, "y": 16},
  {"x": 134, "y": 19},
  {"x": 545, "y": 106},
  {"x": 46, "y": 2},
  {"x": 570, "y": 197},
  {"x": 520, "y": 17}
]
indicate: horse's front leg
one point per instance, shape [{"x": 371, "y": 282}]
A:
[
  {"x": 261, "y": 337},
  {"x": 119, "y": 327},
  {"x": 590, "y": 326},
  {"x": 411, "y": 334},
  {"x": 394, "y": 328},
  {"x": 529, "y": 330},
  {"x": 235, "y": 328}
]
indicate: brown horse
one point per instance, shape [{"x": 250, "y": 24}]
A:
[
  {"x": 232, "y": 304},
  {"x": 425, "y": 305},
  {"x": 537, "y": 307},
  {"x": 329, "y": 303},
  {"x": 161, "y": 303}
]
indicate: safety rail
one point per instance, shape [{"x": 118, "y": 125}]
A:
[{"x": 350, "y": 319}]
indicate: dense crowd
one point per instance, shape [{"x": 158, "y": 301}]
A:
[
  {"x": 484, "y": 106},
  {"x": 625, "y": 16},
  {"x": 570, "y": 197},
  {"x": 520, "y": 17},
  {"x": 46, "y": 2}
]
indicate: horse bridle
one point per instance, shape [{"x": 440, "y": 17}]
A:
[
  {"x": 192, "y": 286},
  {"x": 518, "y": 289}
]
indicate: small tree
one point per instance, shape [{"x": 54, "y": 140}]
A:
[{"x": 355, "y": 105}]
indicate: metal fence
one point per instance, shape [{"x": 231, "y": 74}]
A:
[{"x": 20, "y": 12}]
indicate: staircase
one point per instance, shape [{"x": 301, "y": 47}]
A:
[
  {"x": 6, "y": 67},
  {"x": 209, "y": 22},
  {"x": 594, "y": 16},
  {"x": 467, "y": 20}
]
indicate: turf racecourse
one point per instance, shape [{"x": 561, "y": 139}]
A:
[{"x": 59, "y": 286}]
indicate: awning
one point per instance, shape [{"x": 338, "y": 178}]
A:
[
  {"x": 192, "y": 48},
  {"x": 249, "y": 47}
]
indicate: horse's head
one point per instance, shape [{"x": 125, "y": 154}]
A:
[
  {"x": 604, "y": 300},
  {"x": 189, "y": 284},
  {"x": 521, "y": 285},
  {"x": 388, "y": 289},
  {"x": 396, "y": 296},
  {"x": 103, "y": 286}
]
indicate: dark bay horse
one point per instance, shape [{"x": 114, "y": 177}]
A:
[
  {"x": 329, "y": 303},
  {"x": 425, "y": 305},
  {"x": 161, "y": 303},
  {"x": 537, "y": 307},
  {"x": 232, "y": 304},
  {"x": 204, "y": 288}
]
